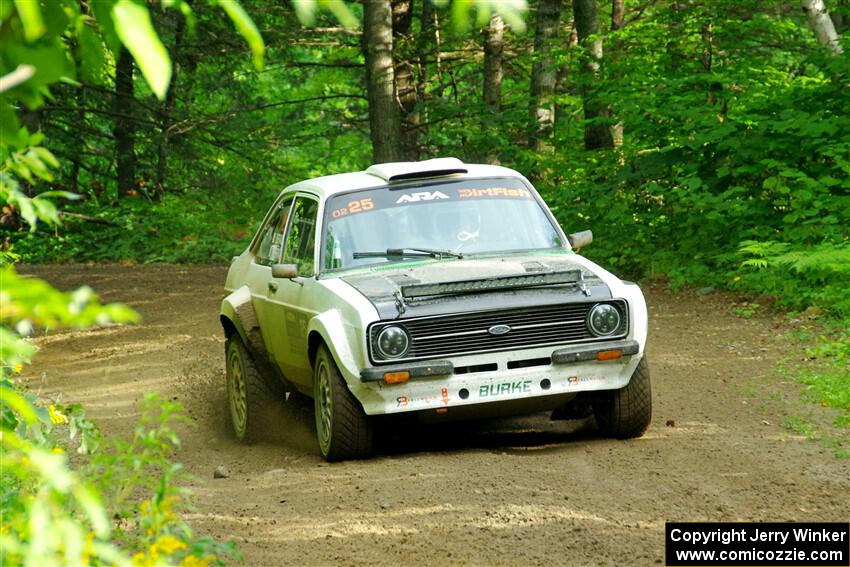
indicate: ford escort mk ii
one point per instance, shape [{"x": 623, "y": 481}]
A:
[{"x": 440, "y": 288}]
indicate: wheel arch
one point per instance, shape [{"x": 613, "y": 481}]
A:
[
  {"x": 329, "y": 329},
  {"x": 314, "y": 341},
  {"x": 237, "y": 316},
  {"x": 228, "y": 326}
]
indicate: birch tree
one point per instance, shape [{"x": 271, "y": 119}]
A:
[
  {"x": 822, "y": 24},
  {"x": 494, "y": 35},
  {"x": 544, "y": 75}
]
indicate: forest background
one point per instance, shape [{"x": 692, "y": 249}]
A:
[
  {"x": 705, "y": 143},
  {"x": 691, "y": 137}
]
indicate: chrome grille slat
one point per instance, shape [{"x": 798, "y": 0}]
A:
[
  {"x": 428, "y": 327},
  {"x": 518, "y": 340},
  {"x": 453, "y": 335},
  {"x": 513, "y": 327}
]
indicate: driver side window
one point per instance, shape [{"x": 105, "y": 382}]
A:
[
  {"x": 300, "y": 242},
  {"x": 269, "y": 249}
]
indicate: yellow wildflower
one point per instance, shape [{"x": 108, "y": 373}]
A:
[
  {"x": 140, "y": 560},
  {"x": 18, "y": 368},
  {"x": 56, "y": 416},
  {"x": 88, "y": 548},
  {"x": 193, "y": 561},
  {"x": 168, "y": 544},
  {"x": 58, "y": 450}
]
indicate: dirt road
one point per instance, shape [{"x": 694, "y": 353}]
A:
[{"x": 511, "y": 492}]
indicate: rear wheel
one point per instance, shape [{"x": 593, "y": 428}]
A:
[
  {"x": 343, "y": 429},
  {"x": 249, "y": 397},
  {"x": 626, "y": 413}
]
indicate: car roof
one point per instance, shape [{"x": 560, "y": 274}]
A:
[{"x": 395, "y": 173}]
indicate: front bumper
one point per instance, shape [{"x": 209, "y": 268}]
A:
[{"x": 501, "y": 377}]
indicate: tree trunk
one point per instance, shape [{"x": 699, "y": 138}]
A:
[
  {"x": 618, "y": 22},
  {"x": 565, "y": 86},
  {"x": 544, "y": 75},
  {"x": 618, "y": 15},
  {"x": 79, "y": 141},
  {"x": 493, "y": 48},
  {"x": 821, "y": 24},
  {"x": 384, "y": 122},
  {"x": 167, "y": 108},
  {"x": 596, "y": 134},
  {"x": 425, "y": 43},
  {"x": 707, "y": 56},
  {"x": 124, "y": 128},
  {"x": 405, "y": 85}
]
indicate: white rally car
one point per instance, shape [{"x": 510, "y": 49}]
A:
[{"x": 436, "y": 287}]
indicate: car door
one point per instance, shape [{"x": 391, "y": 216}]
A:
[
  {"x": 266, "y": 252},
  {"x": 287, "y": 297}
]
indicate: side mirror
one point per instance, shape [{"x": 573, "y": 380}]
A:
[
  {"x": 284, "y": 271},
  {"x": 579, "y": 240}
]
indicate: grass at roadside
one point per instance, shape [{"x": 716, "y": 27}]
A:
[
  {"x": 827, "y": 376},
  {"x": 825, "y": 372}
]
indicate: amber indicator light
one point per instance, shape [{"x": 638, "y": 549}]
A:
[
  {"x": 396, "y": 377},
  {"x": 609, "y": 354}
]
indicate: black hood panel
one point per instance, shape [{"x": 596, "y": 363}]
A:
[{"x": 383, "y": 286}]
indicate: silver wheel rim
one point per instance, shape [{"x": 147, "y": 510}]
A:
[
  {"x": 324, "y": 406},
  {"x": 236, "y": 392}
]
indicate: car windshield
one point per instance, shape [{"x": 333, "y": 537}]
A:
[{"x": 393, "y": 224}]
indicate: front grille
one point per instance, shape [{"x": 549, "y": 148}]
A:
[{"x": 452, "y": 335}]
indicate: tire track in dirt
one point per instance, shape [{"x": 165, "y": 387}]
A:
[{"x": 510, "y": 492}]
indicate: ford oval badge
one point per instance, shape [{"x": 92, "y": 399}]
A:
[{"x": 499, "y": 330}]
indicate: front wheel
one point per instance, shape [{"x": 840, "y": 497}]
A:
[
  {"x": 343, "y": 429},
  {"x": 626, "y": 413}
]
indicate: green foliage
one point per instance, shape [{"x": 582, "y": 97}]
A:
[
  {"x": 133, "y": 26},
  {"x": 734, "y": 169},
  {"x": 187, "y": 229},
  {"x": 87, "y": 513},
  {"x": 512, "y": 11},
  {"x": 828, "y": 382},
  {"x": 34, "y": 302},
  {"x": 307, "y": 10},
  {"x": 54, "y": 513},
  {"x": 801, "y": 276},
  {"x": 26, "y": 303}
]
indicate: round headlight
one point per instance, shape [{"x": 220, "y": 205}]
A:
[
  {"x": 603, "y": 320},
  {"x": 392, "y": 342}
]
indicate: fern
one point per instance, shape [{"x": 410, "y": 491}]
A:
[{"x": 799, "y": 276}]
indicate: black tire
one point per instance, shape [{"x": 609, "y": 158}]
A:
[
  {"x": 343, "y": 429},
  {"x": 250, "y": 400},
  {"x": 627, "y": 412}
]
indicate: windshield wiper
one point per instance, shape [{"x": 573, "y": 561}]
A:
[{"x": 409, "y": 253}]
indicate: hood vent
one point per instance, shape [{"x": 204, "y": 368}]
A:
[{"x": 492, "y": 284}]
